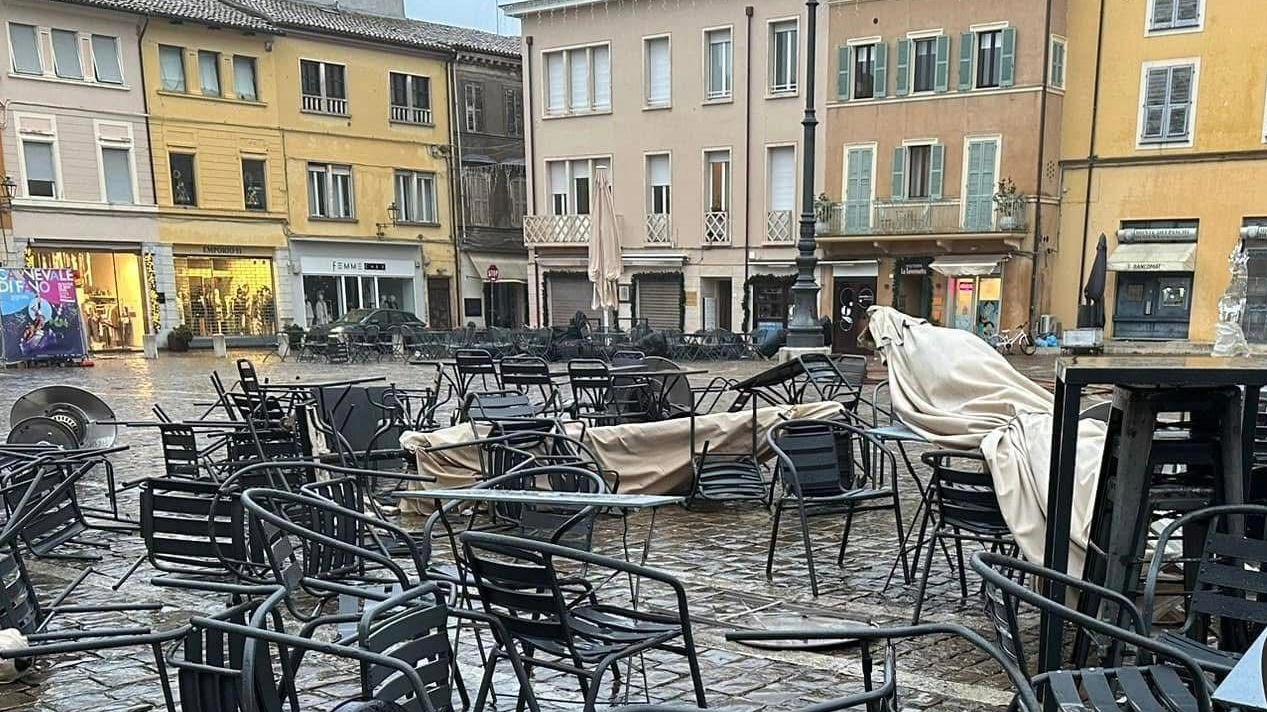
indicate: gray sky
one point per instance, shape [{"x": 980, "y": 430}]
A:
[{"x": 482, "y": 14}]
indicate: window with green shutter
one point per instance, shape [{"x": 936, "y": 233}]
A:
[
  {"x": 989, "y": 59},
  {"x": 1167, "y": 109},
  {"x": 1056, "y": 78},
  {"x": 1007, "y": 58},
  {"x": 862, "y": 73},
  {"x": 843, "y": 62},
  {"x": 880, "y": 69},
  {"x": 966, "y": 42},
  {"x": 941, "y": 75},
  {"x": 924, "y": 69},
  {"x": 903, "y": 67},
  {"x": 899, "y": 173}
]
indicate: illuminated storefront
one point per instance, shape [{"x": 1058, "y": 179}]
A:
[
  {"x": 111, "y": 291},
  {"x": 226, "y": 290},
  {"x": 337, "y": 277},
  {"x": 974, "y": 292}
]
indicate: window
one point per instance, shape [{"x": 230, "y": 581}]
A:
[
  {"x": 41, "y": 171},
  {"x": 917, "y": 171},
  {"x": 473, "y": 104},
  {"x": 66, "y": 55},
  {"x": 330, "y": 191},
  {"x": 184, "y": 188},
  {"x": 514, "y": 105},
  {"x": 570, "y": 183},
  {"x": 171, "y": 67},
  {"x": 244, "y": 78},
  {"x": 861, "y": 71},
  {"x": 1169, "y": 92},
  {"x": 925, "y": 62},
  {"x": 1174, "y": 14},
  {"x": 254, "y": 187},
  {"x": 518, "y": 198},
  {"x": 1058, "y": 52},
  {"x": 114, "y": 141},
  {"x": 720, "y": 63},
  {"x": 477, "y": 186},
  {"x": 783, "y": 51},
  {"x": 105, "y": 59},
  {"x": 781, "y": 178},
  {"x": 659, "y": 184},
  {"x": 578, "y": 80},
  {"x": 323, "y": 87},
  {"x": 209, "y": 72},
  {"x": 416, "y": 196},
  {"x": 411, "y": 98},
  {"x": 717, "y": 181},
  {"x": 989, "y": 46},
  {"x": 24, "y": 44},
  {"x": 657, "y": 80},
  {"x": 864, "y": 71}
]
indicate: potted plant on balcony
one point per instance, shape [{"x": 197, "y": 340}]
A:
[
  {"x": 1009, "y": 205},
  {"x": 822, "y": 214}
]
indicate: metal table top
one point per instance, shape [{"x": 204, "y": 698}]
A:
[
  {"x": 1243, "y": 687},
  {"x": 1162, "y": 370},
  {"x": 301, "y": 385}
]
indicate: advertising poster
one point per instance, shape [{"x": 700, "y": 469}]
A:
[{"x": 40, "y": 315}]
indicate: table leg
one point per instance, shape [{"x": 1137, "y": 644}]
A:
[
  {"x": 1064, "y": 450},
  {"x": 1249, "y": 430}
]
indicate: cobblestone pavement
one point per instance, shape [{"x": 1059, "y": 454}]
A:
[{"x": 717, "y": 552}]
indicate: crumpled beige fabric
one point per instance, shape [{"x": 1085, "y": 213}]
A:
[
  {"x": 652, "y": 458},
  {"x": 955, "y": 390}
]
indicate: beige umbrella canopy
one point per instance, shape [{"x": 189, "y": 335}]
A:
[{"x": 604, "y": 249}]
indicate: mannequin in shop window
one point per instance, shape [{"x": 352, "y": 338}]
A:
[
  {"x": 240, "y": 313},
  {"x": 308, "y": 315},
  {"x": 322, "y": 310}
]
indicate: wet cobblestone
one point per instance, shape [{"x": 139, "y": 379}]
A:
[{"x": 718, "y": 552}]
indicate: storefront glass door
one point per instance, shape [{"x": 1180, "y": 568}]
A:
[
  {"x": 976, "y": 303},
  {"x": 110, "y": 294},
  {"x": 328, "y": 298}
]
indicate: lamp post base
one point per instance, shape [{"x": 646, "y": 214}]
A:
[{"x": 787, "y": 353}]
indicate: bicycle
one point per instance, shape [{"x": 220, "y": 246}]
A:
[{"x": 1007, "y": 340}]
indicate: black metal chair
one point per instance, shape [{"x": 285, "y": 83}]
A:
[
  {"x": 961, "y": 506},
  {"x": 722, "y": 476},
  {"x": 1225, "y": 583},
  {"x": 475, "y": 369},
  {"x": 531, "y": 375},
  {"x": 488, "y": 406},
  {"x": 61, "y": 520},
  {"x": 595, "y": 397},
  {"x": 828, "y": 378},
  {"x": 520, "y": 585},
  {"x": 828, "y": 467},
  {"x": 884, "y": 695},
  {"x": 1175, "y": 682}
]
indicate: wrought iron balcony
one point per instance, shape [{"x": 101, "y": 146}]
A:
[
  {"x": 922, "y": 217},
  {"x": 659, "y": 229},
  {"x": 557, "y": 230}
]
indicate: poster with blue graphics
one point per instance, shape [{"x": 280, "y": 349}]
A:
[{"x": 39, "y": 313}]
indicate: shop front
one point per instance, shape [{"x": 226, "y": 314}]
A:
[
  {"x": 501, "y": 283},
  {"x": 111, "y": 283},
  {"x": 974, "y": 292},
  {"x": 336, "y": 278},
  {"x": 227, "y": 289},
  {"x": 1153, "y": 286}
]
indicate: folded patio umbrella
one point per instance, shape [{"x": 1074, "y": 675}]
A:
[
  {"x": 1091, "y": 314},
  {"x": 604, "y": 248},
  {"x": 955, "y": 390}
]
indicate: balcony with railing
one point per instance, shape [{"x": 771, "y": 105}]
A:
[
  {"x": 558, "y": 230},
  {"x": 922, "y": 217},
  {"x": 780, "y": 227},
  {"x": 659, "y": 229},
  {"x": 317, "y": 104},
  {"x": 410, "y": 115},
  {"x": 716, "y": 229}
]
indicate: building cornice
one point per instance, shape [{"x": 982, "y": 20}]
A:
[{"x": 529, "y": 7}]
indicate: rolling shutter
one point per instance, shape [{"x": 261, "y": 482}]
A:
[
  {"x": 570, "y": 293},
  {"x": 660, "y": 303},
  {"x": 782, "y": 178}
]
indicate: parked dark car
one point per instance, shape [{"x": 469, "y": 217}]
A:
[{"x": 357, "y": 319}]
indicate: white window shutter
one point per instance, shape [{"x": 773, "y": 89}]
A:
[
  {"x": 658, "y": 71},
  {"x": 579, "y": 71},
  {"x": 782, "y": 178},
  {"x": 602, "y": 78},
  {"x": 556, "y": 83},
  {"x": 658, "y": 170}
]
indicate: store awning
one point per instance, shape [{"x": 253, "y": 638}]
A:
[
  {"x": 1154, "y": 257},
  {"x": 510, "y": 268},
  {"x": 966, "y": 265}
]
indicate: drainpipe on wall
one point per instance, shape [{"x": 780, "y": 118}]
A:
[
  {"x": 530, "y": 143},
  {"x": 745, "y": 298},
  {"x": 454, "y": 159},
  {"x": 145, "y": 103},
  {"x": 1038, "y": 254}
]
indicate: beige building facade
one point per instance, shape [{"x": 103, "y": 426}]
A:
[
  {"x": 942, "y": 137},
  {"x": 695, "y": 110}
]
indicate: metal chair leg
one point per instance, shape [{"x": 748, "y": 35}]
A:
[
  {"x": 774, "y": 538},
  {"x": 809, "y": 549},
  {"x": 923, "y": 582}
]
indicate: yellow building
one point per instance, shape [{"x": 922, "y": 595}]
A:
[
  {"x": 1163, "y": 152},
  {"x": 365, "y": 132},
  {"x": 219, "y": 175}
]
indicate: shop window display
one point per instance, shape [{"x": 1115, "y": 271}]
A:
[
  {"x": 227, "y": 295},
  {"x": 327, "y": 298},
  {"x": 110, "y": 294}
]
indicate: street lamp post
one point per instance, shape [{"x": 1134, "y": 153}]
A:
[{"x": 804, "y": 330}]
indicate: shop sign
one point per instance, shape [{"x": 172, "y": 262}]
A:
[
  {"x": 914, "y": 269},
  {"x": 39, "y": 311},
  {"x": 347, "y": 266},
  {"x": 222, "y": 249}
]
